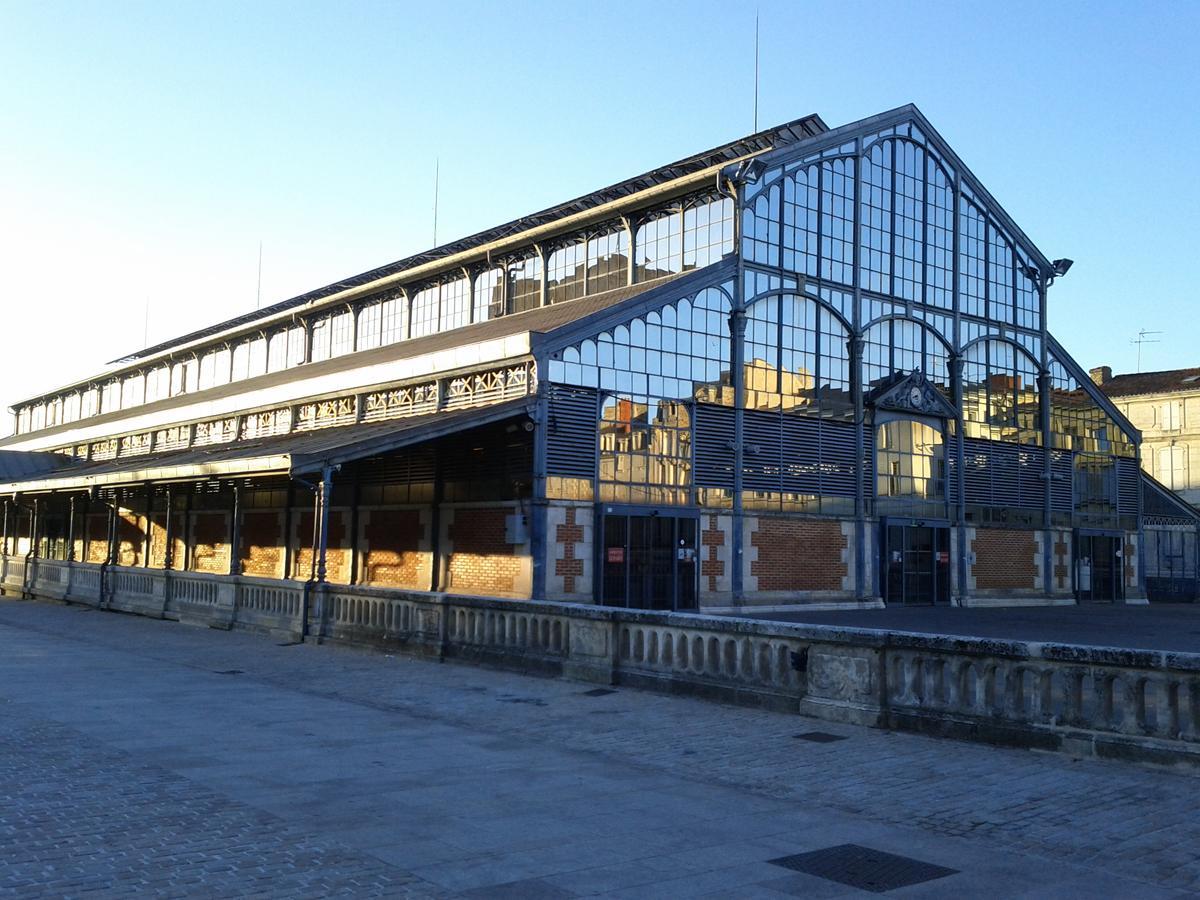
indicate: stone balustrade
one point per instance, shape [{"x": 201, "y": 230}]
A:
[{"x": 1093, "y": 701}]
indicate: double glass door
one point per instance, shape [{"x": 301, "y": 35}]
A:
[
  {"x": 1098, "y": 568},
  {"x": 916, "y": 564},
  {"x": 649, "y": 561}
]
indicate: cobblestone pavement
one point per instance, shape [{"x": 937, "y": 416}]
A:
[
  {"x": 149, "y": 758},
  {"x": 1159, "y": 626}
]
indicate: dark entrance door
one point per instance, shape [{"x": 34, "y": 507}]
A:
[
  {"x": 649, "y": 561},
  {"x": 916, "y": 563},
  {"x": 1098, "y": 568}
]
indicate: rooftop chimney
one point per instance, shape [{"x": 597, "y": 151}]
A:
[{"x": 1101, "y": 374}]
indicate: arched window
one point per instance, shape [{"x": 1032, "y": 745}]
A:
[
  {"x": 796, "y": 357},
  {"x": 1000, "y": 393},
  {"x": 902, "y": 345},
  {"x": 910, "y": 469}
]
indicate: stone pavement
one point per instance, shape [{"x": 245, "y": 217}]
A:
[
  {"x": 140, "y": 757},
  {"x": 1159, "y": 626}
]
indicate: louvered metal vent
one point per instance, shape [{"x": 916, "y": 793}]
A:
[
  {"x": 1127, "y": 487},
  {"x": 714, "y": 446},
  {"x": 571, "y": 432},
  {"x": 1000, "y": 475}
]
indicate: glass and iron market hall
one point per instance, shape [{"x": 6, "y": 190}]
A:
[{"x": 808, "y": 367}]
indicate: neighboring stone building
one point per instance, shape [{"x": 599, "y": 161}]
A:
[
  {"x": 808, "y": 366},
  {"x": 1165, "y": 407}
]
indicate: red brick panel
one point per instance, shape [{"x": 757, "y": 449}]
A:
[
  {"x": 337, "y": 551},
  {"x": 95, "y": 537},
  {"x": 711, "y": 538},
  {"x": 210, "y": 543},
  {"x": 261, "y": 538},
  {"x": 1061, "y": 554},
  {"x": 1004, "y": 559},
  {"x": 481, "y": 560},
  {"x": 393, "y": 548},
  {"x": 131, "y": 539},
  {"x": 569, "y": 567},
  {"x": 798, "y": 555},
  {"x": 158, "y": 539}
]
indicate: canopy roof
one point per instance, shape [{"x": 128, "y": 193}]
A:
[{"x": 291, "y": 454}]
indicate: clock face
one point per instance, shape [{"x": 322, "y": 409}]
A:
[{"x": 915, "y": 396}]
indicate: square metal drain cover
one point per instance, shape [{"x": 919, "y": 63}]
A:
[
  {"x": 863, "y": 868},
  {"x": 820, "y": 737},
  {"x": 598, "y": 692}
]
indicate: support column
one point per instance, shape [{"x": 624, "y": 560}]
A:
[
  {"x": 149, "y": 507},
  {"x": 287, "y": 530},
  {"x": 35, "y": 524},
  {"x": 737, "y": 332},
  {"x": 855, "y": 348},
  {"x": 1044, "y": 389},
  {"x": 4, "y": 544},
  {"x": 435, "y": 528},
  {"x": 70, "y": 555},
  {"x": 324, "y": 491},
  {"x": 235, "y": 532},
  {"x": 539, "y": 508},
  {"x": 168, "y": 534},
  {"x": 960, "y": 475}
]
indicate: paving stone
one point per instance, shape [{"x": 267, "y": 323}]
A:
[{"x": 128, "y": 766}]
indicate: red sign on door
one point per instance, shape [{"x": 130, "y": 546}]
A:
[{"x": 616, "y": 554}]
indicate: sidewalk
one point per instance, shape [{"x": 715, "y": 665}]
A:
[{"x": 145, "y": 757}]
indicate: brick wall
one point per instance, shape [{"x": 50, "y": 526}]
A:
[
  {"x": 480, "y": 560},
  {"x": 337, "y": 549},
  {"x": 797, "y": 555},
  {"x": 210, "y": 542},
  {"x": 95, "y": 537},
  {"x": 392, "y": 551},
  {"x": 261, "y": 551},
  {"x": 158, "y": 539},
  {"x": 1005, "y": 559},
  {"x": 570, "y": 565},
  {"x": 712, "y": 538}
]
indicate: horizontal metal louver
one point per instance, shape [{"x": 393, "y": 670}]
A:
[
  {"x": 571, "y": 432},
  {"x": 801, "y": 454},
  {"x": 1061, "y": 484},
  {"x": 1128, "y": 485},
  {"x": 999, "y": 474},
  {"x": 714, "y": 446}
]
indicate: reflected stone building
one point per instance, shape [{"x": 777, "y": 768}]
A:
[{"x": 810, "y": 366}]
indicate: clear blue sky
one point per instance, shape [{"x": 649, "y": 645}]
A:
[{"x": 147, "y": 148}]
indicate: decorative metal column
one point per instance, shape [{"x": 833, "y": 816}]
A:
[
  {"x": 737, "y": 335},
  {"x": 324, "y": 491},
  {"x": 70, "y": 555},
  {"x": 539, "y": 508},
  {"x": 1045, "y": 385},
  {"x": 960, "y": 475},
  {"x": 855, "y": 350},
  {"x": 169, "y": 533},
  {"x": 235, "y": 532}
]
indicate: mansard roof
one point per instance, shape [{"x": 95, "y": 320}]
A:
[{"x": 783, "y": 135}]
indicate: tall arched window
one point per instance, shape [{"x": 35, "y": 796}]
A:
[
  {"x": 910, "y": 469},
  {"x": 1000, "y": 393}
]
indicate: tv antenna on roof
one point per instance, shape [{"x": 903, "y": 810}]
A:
[
  {"x": 437, "y": 167},
  {"x": 756, "y": 70},
  {"x": 1142, "y": 339}
]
